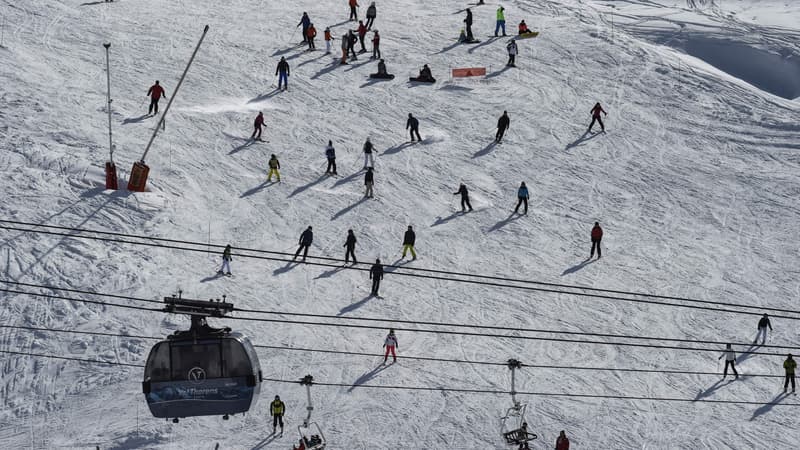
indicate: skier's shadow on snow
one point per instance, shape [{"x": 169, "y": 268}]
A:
[
  {"x": 372, "y": 81},
  {"x": 586, "y": 137},
  {"x": 504, "y": 222},
  {"x": 767, "y": 407},
  {"x": 497, "y": 73},
  {"x": 257, "y": 189},
  {"x": 286, "y": 50},
  {"x": 289, "y": 266},
  {"x": 135, "y": 119},
  {"x": 246, "y": 142},
  {"x": 578, "y": 266},
  {"x": 714, "y": 388},
  {"x": 442, "y": 220},
  {"x": 348, "y": 209},
  {"x": 395, "y": 265},
  {"x": 354, "y": 306},
  {"x": 486, "y": 150},
  {"x": 329, "y": 273},
  {"x": 263, "y": 97},
  {"x": 486, "y": 42},
  {"x": 448, "y": 48},
  {"x": 93, "y": 3},
  {"x": 327, "y": 69},
  {"x": 368, "y": 376},
  {"x": 312, "y": 60},
  {"x": 307, "y": 186},
  {"x": 356, "y": 66},
  {"x": 266, "y": 441},
  {"x": 216, "y": 276},
  {"x": 397, "y": 148},
  {"x": 347, "y": 179},
  {"x": 747, "y": 354}
]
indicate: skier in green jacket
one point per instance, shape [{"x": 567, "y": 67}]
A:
[
  {"x": 226, "y": 261},
  {"x": 501, "y": 21}
]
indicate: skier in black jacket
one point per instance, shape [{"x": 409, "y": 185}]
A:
[
  {"x": 408, "y": 242},
  {"x": 369, "y": 182},
  {"x": 502, "y": 125},
  {"x": 413, "y": 124},
  {"x": 282, "y": 72},
  {"x": 306, "y": 238},
  {"x": 468, "y": 22},
  {"x": 763, "y": 323},
  {"x": 464, "y": 197},
  {"x": 376, "y": 275},
  {"x": 350, "y": 247}
]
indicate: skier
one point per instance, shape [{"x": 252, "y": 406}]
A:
[
  {"x": 372, "y": 13},
  {"x": 596, "y": 117},
  {"x": 353, "y": 10},
  {"x": 522, "y": 196},
  {"x": 382, "y": 73},
  {"x": 408, "y": 242},
  {"x": 345, "y": 46},
  {"x": 274, "y": 168},
  {"x": 376, "y": 275},
  {"x": 328, "y": 39},
  {"x": 376, "y": 45},
  {"x": 351, "y": 44},
  {"x": 368, "y": 148},
  {"x": 512, "y": 53},
  {"x": 155, "y": 92},
  {"x": 259, "y": 122},
  {"x": 523, "y": 28},
  {"x": 226, "y": 261},
  {"x": 501, "y": 21},
  {"x": 413, "y": 124},
  {"x": 562, "y": 443},
  {"x": 730, "y": 360},
  {"x": 503, "y": 123},
  {"x": 425, "y": 75},
  {"x": 763, "y": 323},
  {"x": 282, "y": 71},
  {"x": 464, "y": 197},
  {"x": 597, "y": 236},
  {"x": 330, "y": 153},
  {"x": 350, "y": 247},
  {"x": 391, "y": 344},
  {"x": 305, "y": 21},
  {"x": 789, "y": 365},
  {"x": 369, "y": 181},
  {"x": 362, "y": 33},
  {"x": 311, "y": 33},
  {"x": 468, "y": 23},
  {"x": 306, "y": 238},
  {"x": 276, "y": 410}
]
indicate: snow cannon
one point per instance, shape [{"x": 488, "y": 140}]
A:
[
  {"x": 138, "y": 178},
  {"x": 111, "y": 175}
]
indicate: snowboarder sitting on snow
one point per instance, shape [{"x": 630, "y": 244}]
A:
[
  {"x": 596, "y": 117},
  {"x": 523, "y": 28},
  {"x": 382, "y": 72},
  {"x": 276, "y": 410},
  {"x": 391, "y": 344},
  {"x": 464, "y": 197},
  {"x": 259, "y": 122},
  {"x": 226, "y": 261},
  {"x": 274, "y": 166},
  {"x": 408, "y": 242},
  {"x": 425, "y": 75}
]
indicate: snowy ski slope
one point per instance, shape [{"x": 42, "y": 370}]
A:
[{"x": 695, "y": 184}]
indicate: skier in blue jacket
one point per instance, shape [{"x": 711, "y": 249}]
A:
[{"x": 522, "y": 196}]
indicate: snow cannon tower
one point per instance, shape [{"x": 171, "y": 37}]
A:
[{"x": 140, "y": 170}]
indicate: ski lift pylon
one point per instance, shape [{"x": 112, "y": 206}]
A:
[
  {"x": 515, "y": 415},
  {"x": 310, "y": 433}
]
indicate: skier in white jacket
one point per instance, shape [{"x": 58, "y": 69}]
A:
[
  {"x": 391, "y": 344},
  {"x": 512, "y": 53},
  {"x": 730, "y": 360}
]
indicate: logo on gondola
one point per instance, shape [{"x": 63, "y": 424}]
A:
[{"x": 196, "y": 374}]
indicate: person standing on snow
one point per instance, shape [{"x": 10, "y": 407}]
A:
[
  {"x": 259, "y": 122},
  {"x": 413, "y": 124},
  {"x": 596, "y": 117},
  {"x": 350, "y": 247},
  {"x": 562, "y": 443},
  {"x": 368, "y": 149},
  {"x": 345, "y": 46},
  {"x": 274, "y": 169},
  {"x": 522, "y": 197},
  {"x": 276, "y": 410},
  {"x": 501, "y": 21},
  {"x": 376, "y": 45},
  {"x": 330, "y": 154},
  {"x": 789, "y": 366},
  {"x": 282, "y": 71},
  {"x": 503, "y": 123},
  {"x": 369, "y": 182},
  {"x": 597, "y": 236},
  {"x": 468, "y": 23},
  {"x": 351, "y": 44},
  {"x": 306, "y": 238},
  {"x": 226, "y": 261},
  {"x": 372, "y": 13},
  {"x": 376, "y": 275},
  {"x": 305, "y": 21},
  {"x": 763, "y": 323},
  {"x": 362, "y": 33},
  {"x": 155, "y": 93},
  {"x": 730, "y": 360},
  {"x": 391, "y": 344},
  {"x": 328, "y": 39},
  {"x": 311, "y": 33},
  {"x": 353, "y": 10},
  {"x": 512, "y": 53},
  {"x": 464, "y": 197},
  {"x": 408, "y": 243}
]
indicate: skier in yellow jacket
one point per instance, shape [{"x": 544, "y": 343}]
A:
[{"x": 274, "y": 165}]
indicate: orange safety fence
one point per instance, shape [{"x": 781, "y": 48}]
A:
[{"x": 469, "y": 72}]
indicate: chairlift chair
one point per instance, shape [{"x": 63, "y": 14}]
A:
[
  {"x": 312, "y": 436},
  {"x": 515, "y": 415}
]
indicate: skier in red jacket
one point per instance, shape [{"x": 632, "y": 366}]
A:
[
  {"x": 155, "y": 92},
  {"x": 259, "y": 122},
  {"x": 562, "y": 443},
  {"x": 597, "y": 236},
  {"x": 362, "y": 32},
  {"x": 596, "y": 117}
]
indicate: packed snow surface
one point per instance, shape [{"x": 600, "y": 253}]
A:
[{"x": 695, "y": 183}]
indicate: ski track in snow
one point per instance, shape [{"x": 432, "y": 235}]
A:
[{"x": 695, "y": 184}]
